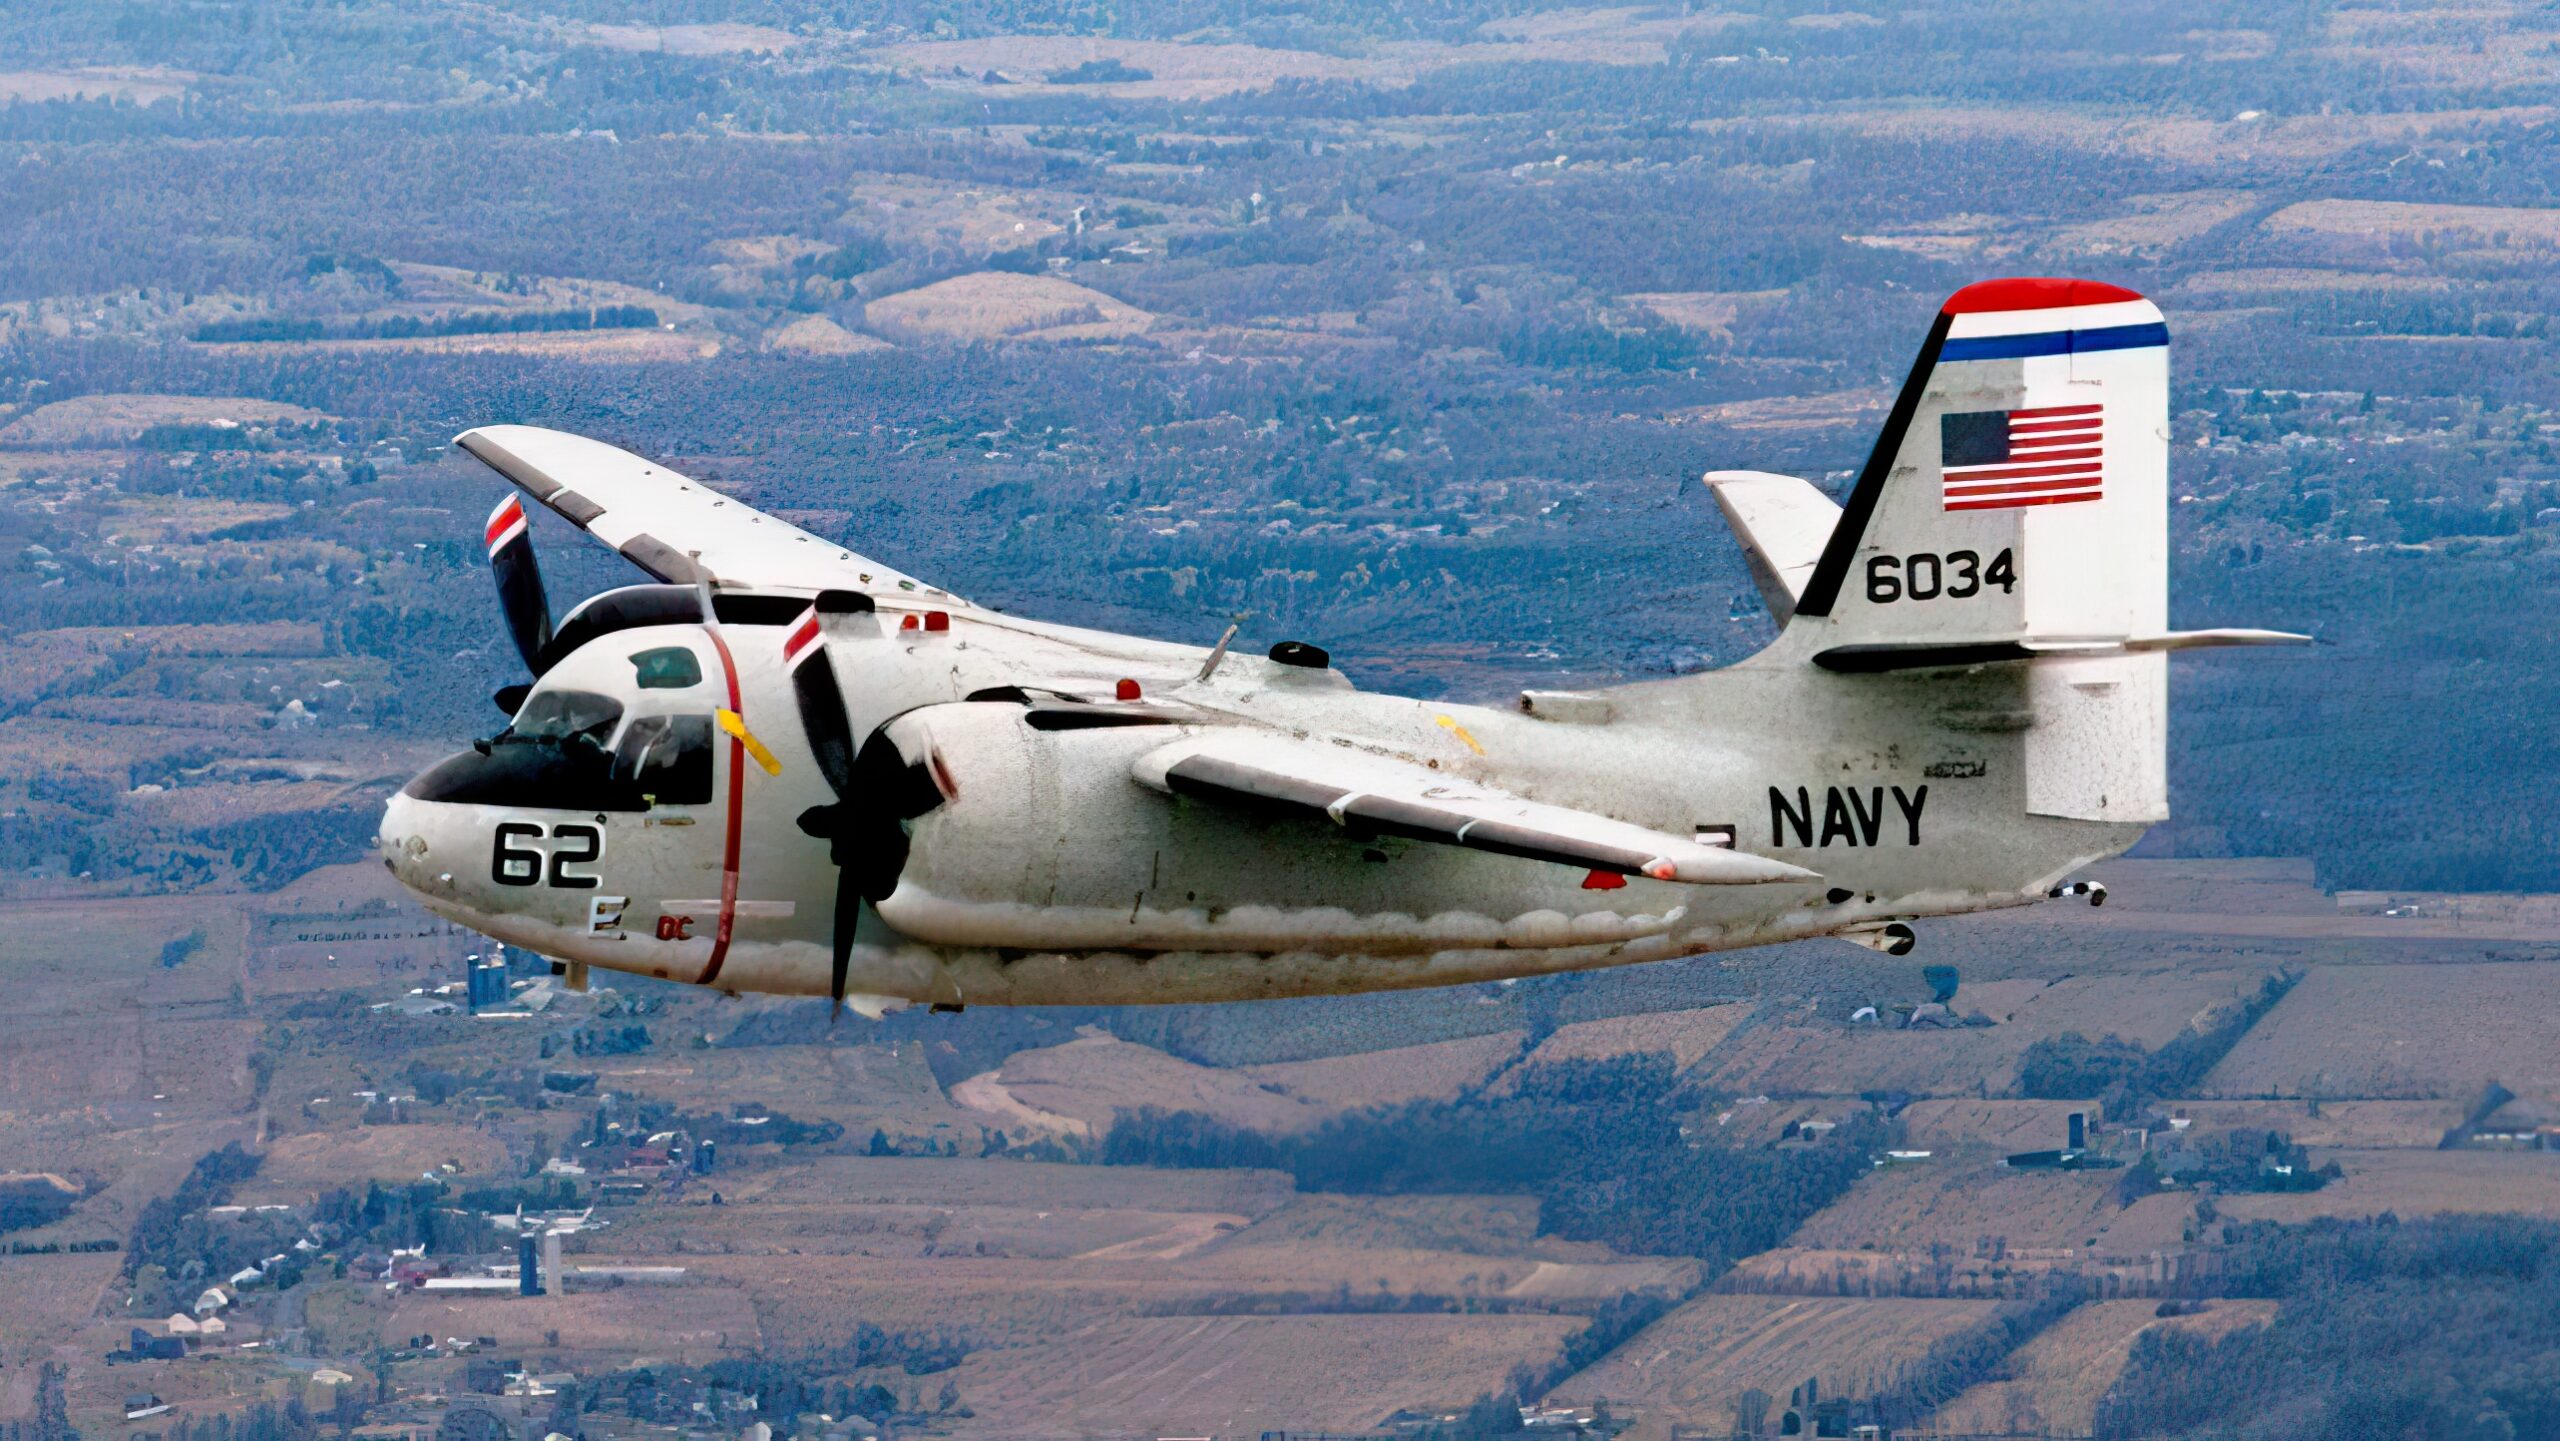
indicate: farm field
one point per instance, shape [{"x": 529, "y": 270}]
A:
[
  {"x": 2401, "y": 1031},
  {"x": 1693, "y": 1363},
  {"x": 2416, "y": 1182},
  {"x": 1225, "y": 1375},
  {"x": 2062, "y": 1372}
]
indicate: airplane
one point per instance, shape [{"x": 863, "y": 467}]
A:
[{"x": 784, "y": 767}]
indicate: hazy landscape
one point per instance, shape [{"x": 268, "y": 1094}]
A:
[{"x": 1405, "y": 330}]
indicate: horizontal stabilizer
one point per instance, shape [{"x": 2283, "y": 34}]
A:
[
  {"x": 1933, "y": 655},
  {"x": 1370, "y": 796},
  {"x": 1783, "y": 524}
]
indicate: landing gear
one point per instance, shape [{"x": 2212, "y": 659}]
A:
[
  {"x": 2096, "y": 891},
  {"x": 1893, "y": 938}
]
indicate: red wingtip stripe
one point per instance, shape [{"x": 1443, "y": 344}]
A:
[{"x": 2034, "y": 292}]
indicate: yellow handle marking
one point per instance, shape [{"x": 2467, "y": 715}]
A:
[
  {"x": 1455, "y": 729},
  {"x": 736, "y": 725}
]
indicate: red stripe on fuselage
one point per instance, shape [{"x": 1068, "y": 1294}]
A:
[
  {"x": 802, "y": 637},
  {"x": 737, "y": 819}
]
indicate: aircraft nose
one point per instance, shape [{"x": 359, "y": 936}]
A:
[{"x": 407, "y": 849}]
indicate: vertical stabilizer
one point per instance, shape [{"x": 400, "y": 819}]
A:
[
  {"x": 2020, "y": 488},
  {"x": 2015, "y": 507}
]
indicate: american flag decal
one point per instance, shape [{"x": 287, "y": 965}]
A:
[{"x": 2003, "y": 459}]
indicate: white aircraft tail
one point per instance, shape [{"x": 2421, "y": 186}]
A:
[
  {"x": 2015, "y": 509},
  {"x": 2019, "y": 490}
]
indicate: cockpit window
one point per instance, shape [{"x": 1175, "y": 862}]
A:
[
  {"x": 564, "y": 715},
  {"x": 520, "y": 773},
  {"x": 672, "y": 667},
  {"x": 667, "y": 758}
]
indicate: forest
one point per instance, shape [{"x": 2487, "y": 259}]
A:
[{"x": 2435, "y": 1328}]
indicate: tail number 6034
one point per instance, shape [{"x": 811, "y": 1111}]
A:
[{"x": 1928, "y": 575}]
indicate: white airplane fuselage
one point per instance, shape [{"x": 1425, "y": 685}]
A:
[
  {"x": 1965, "y": 704},
  {"x": 1047, "y": 877}
]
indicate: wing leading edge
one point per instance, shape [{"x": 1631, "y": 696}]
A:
[
  {"x": 1371, "y": 795},
  {"x": 669, "y": 525}
]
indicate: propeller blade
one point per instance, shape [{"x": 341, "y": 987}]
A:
[
  {"x": 830, "y": 733},
  {"x": 848, "y": 915},
  {"x": 520, "y": 592},
  {"x": 821, "y": 700}
]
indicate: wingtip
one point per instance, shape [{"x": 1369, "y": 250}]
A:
[{"x": 1741, "y": 868}]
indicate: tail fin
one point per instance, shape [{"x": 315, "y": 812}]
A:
[
  {"x": 2016, "y": 508},
  {"x": 2019, "y": 491}
]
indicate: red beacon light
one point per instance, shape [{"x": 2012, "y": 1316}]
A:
[
  {"x": 910, "y": 623},
  {"x": 937, "y": 620},
  {"x": 1127, "y": 689}
]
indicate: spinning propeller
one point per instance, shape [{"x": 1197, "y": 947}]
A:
[{"x": 830, "y": 733}]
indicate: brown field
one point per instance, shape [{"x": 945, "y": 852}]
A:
[
  {"x": 2061, "y": 1374},
  {"x": 858, "y": 1087},
  {"x": 101, "y": 1145},
  {"x": 1021, "y": 1301},
  {"x": 726, "y": 38},
  {"x": 135, "y": 84},
  {"x": 2365, "y": 228},
  {"x": 601, "y": 346},
  {"x": 2212, "y": 286},
  {"x": 1027, "y": 1251},
  {"x": 1232, "y": 1375},
  {"x": 920, "y": 1181},
  {"x": 299, "y": 1168},
  {"x": 2153, "y": 223},
  {"x": 899, "y": 1207},
  {"x": 687, "y": 1321},
  {"x": 1787, "y": 413},
  {"x": 1684, "y": 1036},
  {"x": 53, "y": 1296},
  {"x": 198, "y": 806},
  {"x": 142, "y": 1058},
  {"x": 1816, "y": 1055},
  {"x": 1183, "y": 71},
  {"x": 817, "y": 335},
  {"x": 1436, "y": 1071},
  {"x": 2416, "y": 1183},
  {"x": 2003, "y": 1125},
  {"x": 1955, "y": 1203},
  {"x": 1712, "y": 311},
  {"x": 1000, "y": 305},
  {"x": 280, "y": 638},
  {"x": 120, "y": 419},
  {"x": 972, "y": 221},
  {"x": 1078, "y": 1088},
  {"x": 1691, "y": 1364},
  {"x": 2358, "y": 1125},
  {"x": 2416, "y": 1031}
]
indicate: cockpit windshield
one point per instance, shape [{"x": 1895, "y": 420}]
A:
[
  {"x": 564, "y": 715},
  {"x": 667, "y": 758}
]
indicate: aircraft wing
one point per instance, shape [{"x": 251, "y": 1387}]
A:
[
  {"x": 670, "y": 526},
  {"x": 1370, "y": 795}
]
